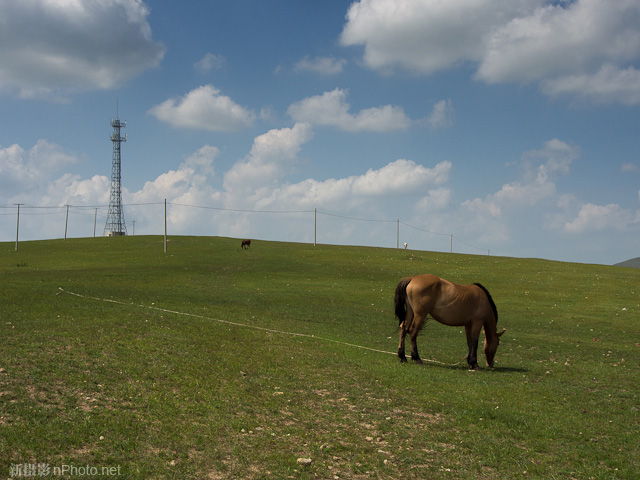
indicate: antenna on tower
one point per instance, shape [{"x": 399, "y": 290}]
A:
[{"x": 115, "y": 225}]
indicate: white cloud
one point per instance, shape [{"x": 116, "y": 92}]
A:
[
  {"x": 209, "y": 62},
  {"x": 563, "y": 39},
  {"x": 258, "y": 182},
  {"x": 192, "y": 175},
  {"x": 423, "y": 36},
  {"x": 602, "y": 217},
  {"x": 204, "y": 108},
  {"x": 73, "y": 190},
  {"x": 400, "y": 178},
  {"x": 190, "y": 184},
  {"x": 49, "y": 49},
  {"x": 531, "y": 217},
  {"x": 34, "y": 178},
  {"x": 542, "y": 168},
  {"x": 23, "y": 171},
  {"x": 13, "y": 167},
  {"x": 442, "y": 115},
  {"x": 332, "y": 109},
  {"x": 272, "y": 155},
  {"x": 608, "y": 85},
  {"x": 630, "y": 167},
  {"x": 437, "y": 199},
  {"x": 557, "y": 157},
  {"x": 321, "y": 65},
  {"x": 202, "y": 160},
  {"x": 586, "y": 48}
]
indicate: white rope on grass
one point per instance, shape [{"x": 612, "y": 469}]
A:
[{"x": 236, "y": 324}]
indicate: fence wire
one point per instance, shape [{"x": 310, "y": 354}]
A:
[{"x": 100, "y": 212}]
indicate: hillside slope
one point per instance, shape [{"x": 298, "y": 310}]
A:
[
  {"x": 211, "y": 361},
  {"x": 633, "y": 263}
]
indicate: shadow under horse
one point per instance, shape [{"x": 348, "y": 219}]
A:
[{"x": 468, "y": 306}]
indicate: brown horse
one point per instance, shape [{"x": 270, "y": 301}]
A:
[
  {"x": 451, "y": 304},
  {"x": 245, "y": 244}
]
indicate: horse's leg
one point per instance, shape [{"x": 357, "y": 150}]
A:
[
  {"x": 473, "y": 333},
  {"x": 415, "y": 329},
  {"x": 403, "y": 333},
  {"x": 405, "y": 326}
]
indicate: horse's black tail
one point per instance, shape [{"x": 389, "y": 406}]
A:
[{"x": 400, "y": 300}]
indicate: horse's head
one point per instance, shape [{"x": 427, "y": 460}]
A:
[{"x": 491, "y": 343}]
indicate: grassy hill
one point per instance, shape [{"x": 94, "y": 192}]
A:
[
  {"x": 633, "y": 263},
  {"x": 211, "y": 362}
]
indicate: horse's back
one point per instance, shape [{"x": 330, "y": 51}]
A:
[
  {"x": 425, "y": 280},
  {"x": 427, "y": 283},
  {"x": 449, "y": 303},
  {"x": 423, "y": 291}
]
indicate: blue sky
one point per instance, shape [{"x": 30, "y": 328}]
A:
[{"x": 513, "y": 127}]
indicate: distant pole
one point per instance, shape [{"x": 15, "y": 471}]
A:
[
  {"x": 134, "y": 228},
  {"x": 398, "y": 235},
  {"x": 95, "y": 219},
  {"x": 66, "y": 223},
  {"x": 315, "y": 225},
  {"x": 451, "y": 250},
  {"x": 165, "y": 225},
  {"x": 18, "y": 225}
]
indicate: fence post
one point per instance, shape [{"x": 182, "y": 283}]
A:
[
  {"x": 18, "y": 225},
  {"x": 165, "y": 225},
  {"x": 66, "y": 223}
]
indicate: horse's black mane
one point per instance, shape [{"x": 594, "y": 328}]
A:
[{"x": 493, "y": 305}]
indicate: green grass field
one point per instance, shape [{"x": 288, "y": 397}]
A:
[{"x": 210, "y": 362}]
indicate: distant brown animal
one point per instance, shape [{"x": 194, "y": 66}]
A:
[
  {"x": 246, "y": 244},
  {"x": 451, "y": 304}
]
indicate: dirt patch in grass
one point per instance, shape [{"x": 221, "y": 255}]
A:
[{"x": 345, "y": 436}]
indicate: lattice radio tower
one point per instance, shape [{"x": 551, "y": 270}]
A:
[{"x": 115, "y": 218}]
